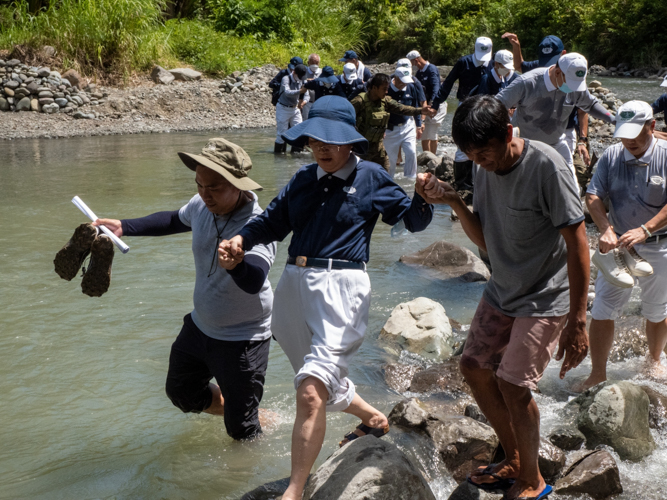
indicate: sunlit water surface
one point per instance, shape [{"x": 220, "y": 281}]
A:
[{"x": 84, "y": 414}]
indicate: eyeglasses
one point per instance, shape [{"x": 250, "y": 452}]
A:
[{"x": 321, "y": 147}]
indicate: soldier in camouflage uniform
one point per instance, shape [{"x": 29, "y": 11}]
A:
[{"x": 373, "y": 109}]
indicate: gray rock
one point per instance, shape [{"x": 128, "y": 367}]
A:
[
  {"x": 550, "y": 461},
  {"x": 268, "y": 491},
  {"x": 12, "y": 84},
  {"x": 46, "y": 93},
  {"x": 50, "y": 108},
  {"x": 399, "y": 376},
  {"x": 79, "y": 115},
  {"x": 616, "y": 414},
  {"x": 48, "y": 51},
  {"x": 473, "y": 411},
  {"x": 425, "y": 157},
  {"x": 72, "y": 77},
  {"x": 23, "y": 104},
  {"x": 12, "y": 63},
  {"x": 657, "y": 408},
  {"x": 444, "y": 377},
  {"x": 185, "y": 74},
  {"x": 464, "y": 444},
  {"x": 466, "y": 491},
  {"x": 596, "y": 475},
  {"x": 45, "y": 100},
  {"x": 61, "y": 101},
  {"x": 4, "y": 105},
  {"x": 43, "y": 72},
  {"x": 567, "y": 438},
  {"x": 450, "y": 261},
  {"x": 161, "y": 75},
  {"x": 77, "y": 100},
  {"x": 409, "y": 413},
  {"x": 368, "y": 468},
  {"x": 8, "y": 92},
  {"x": 54, "y": 75},
  {"x": 21, "y": 92}
]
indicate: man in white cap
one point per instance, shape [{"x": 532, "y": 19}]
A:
[
  {"x": 660, "y": 106},
  {"x": 402, "y": 130},
  {"x": 351, "y": 83},
  {"x": 500, "y": 76},
  {"x": 544, "y": 99},
  {"x": 314, "y": 71},
  {"x": 632, "y": 175},
  {"x": 429, "y": 77},
  {"x": 469, "y": 71}
]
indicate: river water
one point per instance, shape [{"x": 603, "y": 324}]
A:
[{"x": 84, "y": 414}]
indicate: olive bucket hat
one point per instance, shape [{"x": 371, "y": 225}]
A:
[{"x": 225, "y": 158}]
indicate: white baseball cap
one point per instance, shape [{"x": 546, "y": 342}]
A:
[
  {"x": 630, "y": 119},
  {"x": 350, "y": 71},
  {"x": 413, "y": 54},
  {"x": 664, "y": 82},
  {"x": 575, "y": 68},
  {"x": 506, "y": 58},
  {"x": 404, "y": 63},
  {"x": 483, "y": 47},
  {"x": 404, "y": 74}
]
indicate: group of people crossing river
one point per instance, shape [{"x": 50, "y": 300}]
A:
[{"x": 516, "y": 135}]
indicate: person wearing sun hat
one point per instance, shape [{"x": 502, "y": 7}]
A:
[
  {"x": 323, "y": 297},
  {"x": 633, "y": 236},
  {"x": 227, "y": 334},
  {"x": 660, "y": 106},
  {"x": 544, "y": 99}
]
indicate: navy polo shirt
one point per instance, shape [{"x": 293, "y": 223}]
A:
[
  {"x": 332, "y": 216},
  {"x": 321, "y": 90},
  {"x": 429, "y": 77},
  {"x": 352, "y": 89},
  {"x": 408, "y": 96},
  {"x": 489, "y": 85},
  {"x": 468, "y": 76},
  {"x": 660, "y": 105}
]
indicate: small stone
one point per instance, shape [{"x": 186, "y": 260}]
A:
[
  {"x": 473, "y": 411},
  {"x": 9, "y": 92},
  {"x": 12, "y": 63},
  {"x": 45, "y": 100},
  {"x": 161, "y": 75},
  {"x": 77, "y": 99},
  {"x": 23, "y": 104},
  {"x": 4, "y": 105},
  {"x": 72, "y": 77},
  {"x": 567, "y": 438},
  {"x": 45, "y": 93},
  {"x": 61, "y": 101},
  {"x": 48, "y": 51},
  {"x": 12, "y": 84},
  {"x": 43, "y": 72},
  {"x": 54, "y": 75},
  {"x": 34, "y": 105},
  {"x": 50, "y": 108},
  {"x": 97, "y": 95},
  {"x": 409, "y": 413},
  {"x": 185, "y": 74}
]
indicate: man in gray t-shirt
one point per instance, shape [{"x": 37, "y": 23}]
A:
[{"x": 528, "y": 217}]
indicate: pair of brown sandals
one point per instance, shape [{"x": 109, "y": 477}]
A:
[{"x": 85, "y": 241}]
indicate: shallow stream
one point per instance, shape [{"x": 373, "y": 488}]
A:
[{"x": 84, "y": 414}]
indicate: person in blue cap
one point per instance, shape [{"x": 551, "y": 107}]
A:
[
  {"x": 276, "y": 81},
  {"x": 352, "y": 57},
  {"x": 326, "y": 84},
  {"x": 323, "y": 298},
  {"x": 660, "y": 106}
]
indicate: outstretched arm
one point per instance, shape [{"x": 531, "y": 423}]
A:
[{"x": 157, "y": 224}]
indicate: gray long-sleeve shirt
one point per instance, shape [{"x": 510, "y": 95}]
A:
[
  {"x": 542, "y": 111},
  {"x": 290, "y": 89}
]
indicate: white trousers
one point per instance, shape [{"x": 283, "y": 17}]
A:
[
  {"x": 285, "y": 118},
  {"x": 404, "y": 136},
  {"x": 564, "y": 150},
  {"x": 571, "y": 138},
  {"x": 319, "y": 319},
  {"x": 610, "y": 300},
  {"x": 432, "y": 125},
  {"x": 306, "y": 109}
]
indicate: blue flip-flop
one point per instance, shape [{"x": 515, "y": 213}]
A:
[
  {"x": 501, "y": 483},
  {"x": 548, "y": 490}
]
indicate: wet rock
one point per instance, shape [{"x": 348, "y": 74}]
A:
[
  {"x": 616, "y": 414},
  {"x": 398, "y": 376},
  {"x": 596, "y": 475},
  {"x": 657, "y": 413},
  {"x": 409, "y": 413},
  {"x": 268, "y": 491},
  {"x": 551, "y": 461},
  {"x": 567, "y": 438},
  {"x": 444, "y": 376},
  {"x": 424, "y": 158},
  {"x": 464, "y": 444},
  {"x": 161, "y": 75},
  {"x": 185, "y": 74},
  {"x": 450, "y": 261},
  {"x": 473, "y": 411},
  {"x": 23, "y": 104},
  {"x": 420, "y": 326},
  {"x": 466, "y": 491},
  {"x": 73, "y": 77},
  {"x": 368, "y": 468}
]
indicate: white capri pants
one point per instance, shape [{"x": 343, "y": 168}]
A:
[
  {"x": 404, "y": 136},
  {"x": 305, "y": 111},
  {"x": 286, "y": 117},
  {"x": 319, "y": 320},
  {"x": 564, "y": 150},
  {"x": 432, "y": 125},
  {"x": 610, "y": 300},
  {"x": 571, "y": 139}
]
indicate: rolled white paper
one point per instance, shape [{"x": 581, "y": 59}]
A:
[{"x": 91, "y": 215}]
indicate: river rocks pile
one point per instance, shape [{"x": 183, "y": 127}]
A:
[
  {"x": 255, "y": 80},
  {"x": 29, "y": 88},
  {"x": 624, "y": 70}
]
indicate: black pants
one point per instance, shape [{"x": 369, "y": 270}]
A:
[{"x": 239, "y": 368}]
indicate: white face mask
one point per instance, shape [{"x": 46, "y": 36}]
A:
[
  {"x": 314, "y": 67},
  {"x": 503, "y": 71}
]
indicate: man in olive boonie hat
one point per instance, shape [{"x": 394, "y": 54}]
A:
[{"x": 227, "y": 334}]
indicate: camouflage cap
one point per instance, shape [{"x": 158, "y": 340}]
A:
[{"x": 225, "y": 158}]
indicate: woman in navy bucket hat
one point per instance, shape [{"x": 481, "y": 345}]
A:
[{"x": 321, "y": 304}]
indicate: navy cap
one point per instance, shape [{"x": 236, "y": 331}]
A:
[
  {"x": 295, "y": 61},
  {"x": 549, "y": 50},
  {"x": 350, "y": 54},
  {"x": 331, "y": 120},
  {"x": 327, "y": 75}
]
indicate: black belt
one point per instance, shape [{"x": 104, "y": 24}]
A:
[
  {"x": 302, "y": 261},
  {"x": 656, "y": 238}
]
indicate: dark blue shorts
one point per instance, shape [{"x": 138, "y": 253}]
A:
[{"x": 239, "y": 368}]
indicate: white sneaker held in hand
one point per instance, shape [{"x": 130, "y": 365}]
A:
[
  {"x": 636, "y": 264},
  {"x": 612, "y": 265}
]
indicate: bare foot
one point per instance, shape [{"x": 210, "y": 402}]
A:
[
  {"x": 504, "y": 470},
  {"x": 378, "y": 421},
  {"x": 268, "y": 419},
  {"x": 591, "y": 381},
  {"x": 523, "y": 489},
  {"x": 654, "y": 369}
]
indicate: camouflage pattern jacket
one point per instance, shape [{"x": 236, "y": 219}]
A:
[{"x": 373, "y": 117}]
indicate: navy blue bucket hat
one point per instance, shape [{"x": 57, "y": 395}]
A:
[
  {"x": 327, "y": 75},
  {"x": 331, "y": 120}
]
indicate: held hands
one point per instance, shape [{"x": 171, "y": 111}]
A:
[
  {"x": 428, "y": 111},
  {"x": 113, "y": 225},
  {"x": 435, "y": 191},
  {"x": 230, "y": 253},
  {"x": 573, "y": 343}
]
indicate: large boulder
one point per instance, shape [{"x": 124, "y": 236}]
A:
[
  {"x": 467, "y": 491},
  {"x": 450, "y": 261},
  {"x": 657, "y": 413},
  {"x": 464, "y": 444},
  {"x": 161, "y": 75},
  {"x": 268, "y": 491},
  {"x": 441, "y": 377},
  {"x": 551, "y": 461},
  {"x": 73, "y": 77},
  {"x": 185, "y": 74},
  {"x": 596, "y": 474},
  {"x": 421, "y": 326},
  {"x": 616, "y": 414},
  {"x": 410, "y": 413},
  {"x": 370, "y": 469}
]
